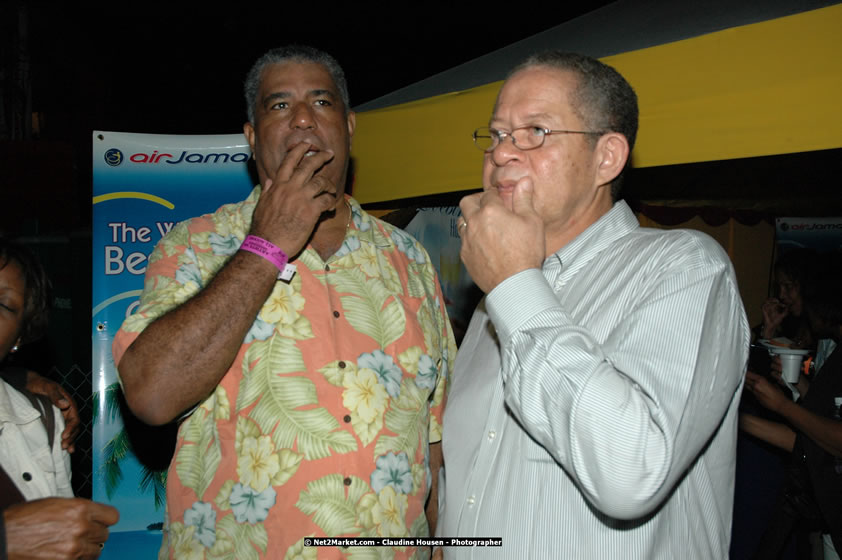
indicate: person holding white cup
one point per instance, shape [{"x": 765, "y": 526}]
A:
[{"x": 813, "y": 428}]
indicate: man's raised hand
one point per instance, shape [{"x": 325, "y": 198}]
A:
[{"x": 291, "y": 203}]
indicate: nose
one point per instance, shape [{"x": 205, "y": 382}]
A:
[
  {"x": 303, "y": 117},
  {"x": 505, "y": 152}
]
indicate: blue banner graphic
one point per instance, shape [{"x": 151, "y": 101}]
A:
[{"x": 143, "y": 184}]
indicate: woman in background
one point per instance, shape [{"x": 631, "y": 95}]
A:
[
  {"x": 40, "y": 518},
  {"x": 783, "y": 315}
]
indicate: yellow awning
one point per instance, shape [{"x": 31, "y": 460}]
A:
[{"x": 762, "y": 89}]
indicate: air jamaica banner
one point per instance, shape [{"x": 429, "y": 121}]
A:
[
  {"x": 819, "y": 234},
  {"x": 143, "y": 184}
]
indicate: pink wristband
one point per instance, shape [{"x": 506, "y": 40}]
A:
[{"x": 271, "y": 253}]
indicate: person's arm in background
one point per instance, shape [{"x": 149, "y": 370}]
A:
[
  {"x": 63, "y": 401},
  {"x": 35, "y": 383},
  {"x": 56, "y": 529},
  {"x": 774, "y": 433},
  {"x": 826, "y": 433}
]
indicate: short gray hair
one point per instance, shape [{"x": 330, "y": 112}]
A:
[
  {"x": 293, "y": 53},
  {"x": 603, "y": 99}
]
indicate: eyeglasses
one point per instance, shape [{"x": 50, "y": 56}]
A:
[{"x": 523, "y": 137}]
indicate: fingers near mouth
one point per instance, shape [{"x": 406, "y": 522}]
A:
[
  {"x": 325, "y": 187},
  {"x": 299, "y": 152}
]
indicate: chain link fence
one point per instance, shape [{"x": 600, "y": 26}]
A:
[{"x": 77, "y": 382}]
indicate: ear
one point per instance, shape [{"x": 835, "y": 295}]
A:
[
  {"x": 248, "y": 131},
  {"x": 612, "y": 152},
  {"x": 352, "y": 124}
]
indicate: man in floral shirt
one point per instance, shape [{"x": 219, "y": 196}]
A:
[{"x": 318, "y": 396}]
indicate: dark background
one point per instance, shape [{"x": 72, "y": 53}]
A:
[{"x": 178, "y": 68}]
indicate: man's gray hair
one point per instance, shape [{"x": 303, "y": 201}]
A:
[
  {"x": 603, "y": 100},
  {"x": 293, "y": 53}
]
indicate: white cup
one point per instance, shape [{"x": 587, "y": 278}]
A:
[{"x": 791, "y": 367}]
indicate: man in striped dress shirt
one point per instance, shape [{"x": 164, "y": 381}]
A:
[{"x": 593, "y": 408}]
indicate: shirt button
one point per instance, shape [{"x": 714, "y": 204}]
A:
[
  {"x": 341, "y": 364},
  {"x": 347, "y": 418},
  {"x": 336, "y": 313},
  {"x": 327, "y": 268},
  {"x": 471, "y": 500},
  {"x": 27, "y": 477},
  {"x": 347, "y": 481},
  {"x": 491, "y": 435}
]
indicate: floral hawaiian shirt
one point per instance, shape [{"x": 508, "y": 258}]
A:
[{"x": 321, "y": 425}]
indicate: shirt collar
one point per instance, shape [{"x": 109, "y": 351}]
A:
[
  {"x": 14, "y": 407},
  {"x": 360, "y": 220},
  {"x": 611, "y": 226}
]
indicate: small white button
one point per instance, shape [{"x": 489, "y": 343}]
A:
[
  {"x": 471, "y": 500},
  {"x": 491, "y": 435}
]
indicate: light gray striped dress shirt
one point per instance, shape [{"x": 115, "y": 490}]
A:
[{"x": 593, "y": 406}]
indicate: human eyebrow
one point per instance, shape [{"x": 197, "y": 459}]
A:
[
  {"x": 539, "y": 116},
  {"x": 323, "y": 94},
  {"x": 537, "y": 119},
  {"x": 272, "y": 97},
  {"x": 525, "y": 120}
]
